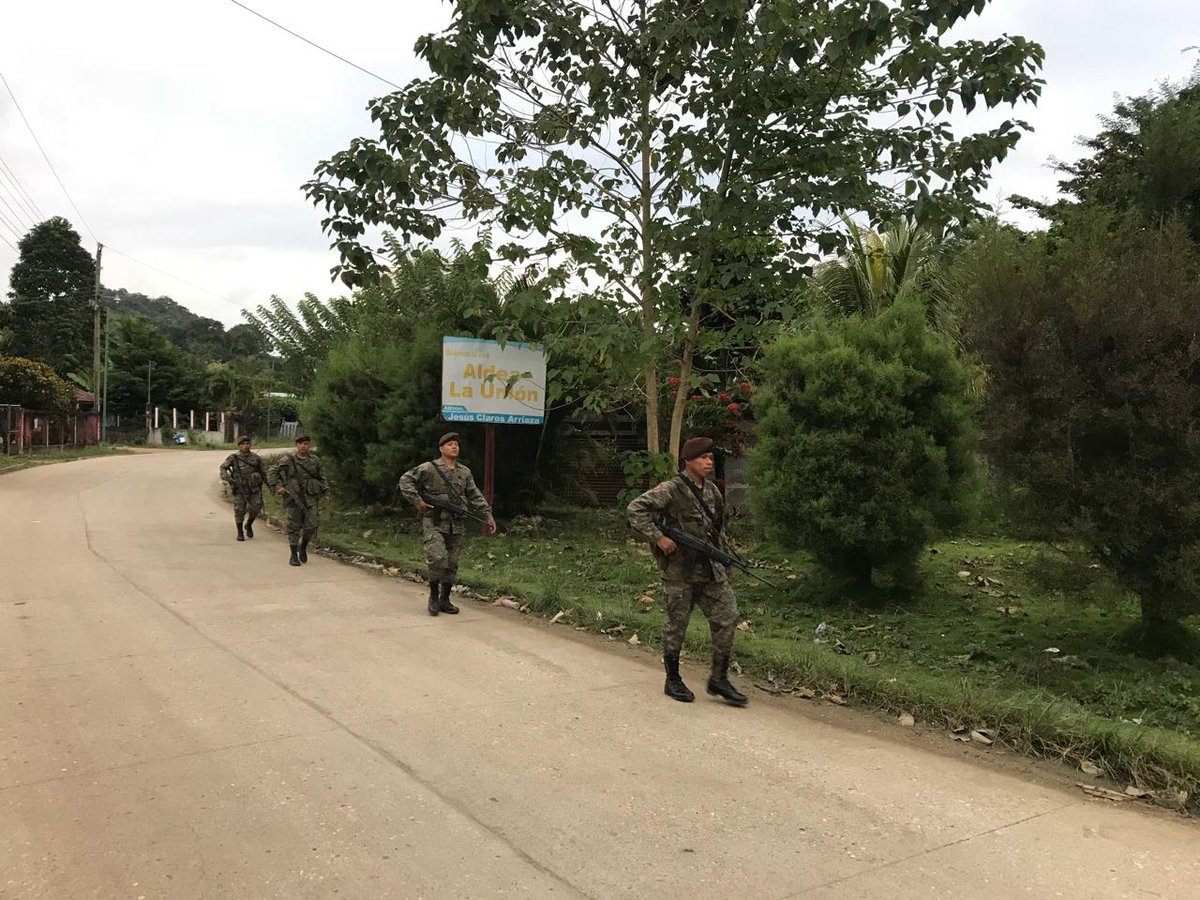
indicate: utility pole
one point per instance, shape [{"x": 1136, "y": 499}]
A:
[
  {"x": 107, "y": 363},
  {"x": 96, "y": 336}
]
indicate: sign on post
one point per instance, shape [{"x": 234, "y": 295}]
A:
[{"x": 484, "y": 382}]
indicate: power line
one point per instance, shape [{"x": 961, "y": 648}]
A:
[
  {"x": 19, "y": 215},
  {"x": 4, "y": 220},
  {"x": 7, "y": 241},
  {"x": 176, "y": 277},
  {"x": 318, "y": 46},
  {"x": 33, "y": 134},
  {"x": 22, "y": 194}
]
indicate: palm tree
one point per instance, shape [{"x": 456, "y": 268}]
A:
[{"x": 897, "y": 263}]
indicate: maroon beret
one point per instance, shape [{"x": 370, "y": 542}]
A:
[{"x": 696, "y": 446}]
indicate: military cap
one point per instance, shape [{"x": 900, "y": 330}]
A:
[
  {"x": 303, "y": 437},
  {"x": 447, "y": 438},
  {"x": 243, "y": 440},
  {"x": 696, "y": 446}
]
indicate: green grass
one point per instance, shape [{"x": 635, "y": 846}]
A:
[
  {"x": 971, "y": 650},
  {"x": 42, "y": 458}
]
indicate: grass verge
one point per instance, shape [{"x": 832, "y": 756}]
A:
[
  {"x": 42, "y": 458},
  {"x": 1014, "y": 638}
]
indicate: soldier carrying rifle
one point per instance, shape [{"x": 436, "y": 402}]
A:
[
  {"x": 691, "y": 506},
  {"x": 245, "y": 473},
  {"x": 445, "y": 493}
]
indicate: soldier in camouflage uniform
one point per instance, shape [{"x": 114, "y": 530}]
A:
[
  {"x": 299, "y": 478},
  {"x": 245, "y": 473},
  {"x": 693, "y": 504},
  {"x": 449, "y": 481}
]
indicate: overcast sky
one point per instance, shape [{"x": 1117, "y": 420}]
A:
[{"x": 183, "y": 131}]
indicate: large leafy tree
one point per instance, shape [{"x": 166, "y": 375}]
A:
[
  {"x": 51, "y": 287},
  {"x": 636, "y": 147},
  {"x": 1145, "y": 158},
  {"x": 1093, "y": 403}
]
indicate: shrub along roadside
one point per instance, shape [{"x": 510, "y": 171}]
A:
[{"x": 948, "y": 660}]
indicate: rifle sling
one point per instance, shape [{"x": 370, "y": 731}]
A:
[{"x": 713, "y": 528}]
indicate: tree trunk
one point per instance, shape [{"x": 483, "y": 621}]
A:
[{"x": 648, "y": 287}]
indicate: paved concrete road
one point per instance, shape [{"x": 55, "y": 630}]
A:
[{"x": 183, "y": 716}]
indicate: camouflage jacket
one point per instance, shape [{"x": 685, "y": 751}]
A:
[
  {"x": 244, "y": 472},
  {"x": 451, "y": 485},
  {"x": 303, "y": 478},
  {"x": 674, "y": 504}
]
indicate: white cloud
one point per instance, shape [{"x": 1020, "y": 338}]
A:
[{"x": 184, "y": 131}]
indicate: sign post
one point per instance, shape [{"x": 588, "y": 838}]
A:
[{"x": 484, "y": 382}]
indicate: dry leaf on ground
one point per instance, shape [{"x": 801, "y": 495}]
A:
[
  {"x": 907, "y": 721},
  {"x": 560, "y": 615},
  {"x": 743, "y": 626},
  {"x": 981, "y": 736},
  {"x": 634, "y": 640},
  {"x": 1087, "y": 767}
]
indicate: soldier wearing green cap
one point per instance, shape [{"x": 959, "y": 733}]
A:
[
  {"x": 245, "y": 473},
  {"x": 449, "y": 481},
  {"x": 691, "y": 503}
]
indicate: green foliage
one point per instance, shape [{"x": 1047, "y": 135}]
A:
[
  {"x": 51, "y": 287},
  {"x": 691, "y": 136},
  {"x": 140, "y": 355},
  {"x": 165, "y": 313},
  {"x": 1090, "y": 341},
  {"x": 865, "y": 440},
  {"x": 1145, "y": 159},
  {"x": 33, "y": 385},
  {"x": 302, "y": 337},
  {"x": 644, "y": 470},
  {"x": 898, "y": 263}
]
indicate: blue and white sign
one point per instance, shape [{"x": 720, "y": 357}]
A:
[{"x": 484, "y": 382}]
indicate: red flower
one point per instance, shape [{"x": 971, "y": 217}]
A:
[
  {"x": 696, "y": 397},
  {"x": 672, "y": 380},
  {"x": 733, "y": 407},
  {"x": 746, "y": 387},
  {"x": 725, "y": 398}
]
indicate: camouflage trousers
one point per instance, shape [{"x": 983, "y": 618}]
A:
[
  {"x": 247, "y": 503},
  {"x": 441, "y": 552},
  {"x": 303, "y": 521},
  {"x": 716, "y": 601}
]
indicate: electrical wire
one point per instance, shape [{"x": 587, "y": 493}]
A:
[
  {"x": 22, "y": 195},
  {"x": 197, "y": 287},
  {"x": 316, "y": 45},
  {"x": 33, "y": 134}
]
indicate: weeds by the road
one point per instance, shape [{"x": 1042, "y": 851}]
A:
[
  {"x": 1012, "y": 637},
  {"x": 45, "y": 457}
]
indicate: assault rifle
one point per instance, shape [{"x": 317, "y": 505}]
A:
[
  {"x": 451, "y": 508},
  {"x": 729, "y": 560}
]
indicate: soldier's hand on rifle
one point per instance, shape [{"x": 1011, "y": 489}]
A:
[
  {"x": 666, "y": 545},
  {"x": 490, "y": 527},
  {"x": 281, "y": 490},
  {"x": 422, "y": 506},
  {"x": 328, "y": 499}
]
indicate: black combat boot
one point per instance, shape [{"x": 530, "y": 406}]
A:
[
  {"x": 250, "y": 528},
  {"x": 719, "y": 686},
  {"x": 444, "y": 604},
  {"x": 675, "y": 688},
  {"x": 241, "y": 536},
  {"x": 303, "y": 554},
  {"x": 435, "y": 605},
  {"x": 295, "y": 560}
]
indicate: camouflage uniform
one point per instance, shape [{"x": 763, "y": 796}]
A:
[
  {"x": 690, "y": 579},
  {"x": 442, "y": 531},
  {"x": 306, "y": 485},
  {"x": 246, "y": 474}
]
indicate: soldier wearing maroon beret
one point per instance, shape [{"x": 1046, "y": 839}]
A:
[{"x": 691, "y": 503}]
